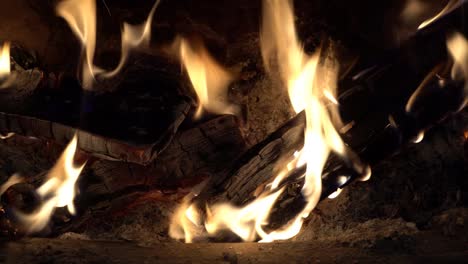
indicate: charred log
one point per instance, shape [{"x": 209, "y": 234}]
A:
[
  {"x": 130, "y": 118},
  {"x": 108, "y": 187},
  {"x": 378, "y": 109}
]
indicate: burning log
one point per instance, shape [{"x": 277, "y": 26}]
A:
[
  {"x": 133, "y": 121},
  {"x": 112, "y": 186},
  {"x": 385, "y": 103}
]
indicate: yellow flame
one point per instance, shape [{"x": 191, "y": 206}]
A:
[
  {"x": 15, "y": 179},
  {"x": 335, "y": 194},
  {"x": 451, "y": 5},
  {"x": 5, "y": 60},
  {"x": 7, "y": 136},
  {"x": 312, "y": 86},
  {"x": 81, "y": 17},
  {"x": 134, "y": 36},
  {"x": 419, "y": 138},
  {"x": 186, "y": 222},
  {"x": 58, "y": 190},
  {"x": 457, "y": 46},
  {"x": 209, "y": 79}
]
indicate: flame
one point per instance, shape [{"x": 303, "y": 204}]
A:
[
  {"x": 5, "y": 60},
  {"x": 7, "y": 136},
  {"x": 134, "y": 36},
  {"x": 419, "y": 138},
  {"x": 457, "y": 46},
  {"x": 186, "y": 222},
  {"x": 15, "y": 179},
  {"x": 58, "y": 190},
  {"x": 335, "y": 194},
  {"x": 312, "y": 86},
  {"x": 451, "y": 5},
  {"x": 209, "y": 79},
  {"x": 81, "y": 17}
]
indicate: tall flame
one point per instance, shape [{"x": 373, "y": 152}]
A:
[
  {"x": 5, "y": 60},
  {"x": 451, "y": 5},
  {"x": 134, "y": 36},
  {"x": 81, "y": 17},
  {"x": 457, "y": 46},
  {"x": 209, "y": 79},
  {"x": 58, "y": 190},
  {"x": 311, "y": 85}
]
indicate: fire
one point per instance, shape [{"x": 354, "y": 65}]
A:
[
  {"x": 311, "y": 85},
  {"x": 58, "y": 190},
  {"x": 209, "y": 79},
  {"x": 15, "y": 179},
  {"x": 134, "y": 36},
  {"x": 5, "y": 60},
  {"x": 457, "y": 46},
  {"x": 7, "y": 136},
  {"x": 451, "y": 5},
  {"x": 419, "y": 138},
  {"x": 81, "y": 17}
]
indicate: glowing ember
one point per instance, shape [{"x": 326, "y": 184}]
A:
[
  {"x": 81, "y": 17},
  {"x": 209, "y": 79},
  {"x": 58, "y": 190},
  {"x": 311, "y": 85},
  {"x": 5, "y": 60}
]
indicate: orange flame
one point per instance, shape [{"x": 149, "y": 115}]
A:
[
  {"x": 81, "y": 17},
  {"x": 451, "y": 5},
  {"x": 134, "y": 36},
  {"x": 5, "y": 60},
  {"x": 209, "y": 79},
  {"x": 457, "y": 46},
  {"x": 59, "y": 190},
  {"x": 15, "y": 179},
  {"x": 311, "y": 85},
  {"x": 7, "y": 136}
]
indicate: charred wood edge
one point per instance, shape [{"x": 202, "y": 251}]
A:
[
  {"x": 381, "y": 126},
  {"x": 193, "y": 155},
  {"x": 93, "y": 144},
  {"x": 71, "y": 250},
  {"x": 256, "y": 166}
]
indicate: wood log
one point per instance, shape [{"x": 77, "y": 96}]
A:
[
  {"x": 130, "y": 118},
  {"x": 373, "y": 101},
  {"x": 194, "y": 155}
]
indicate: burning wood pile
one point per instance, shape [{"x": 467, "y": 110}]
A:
[{"x": 160, "y": 120}]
